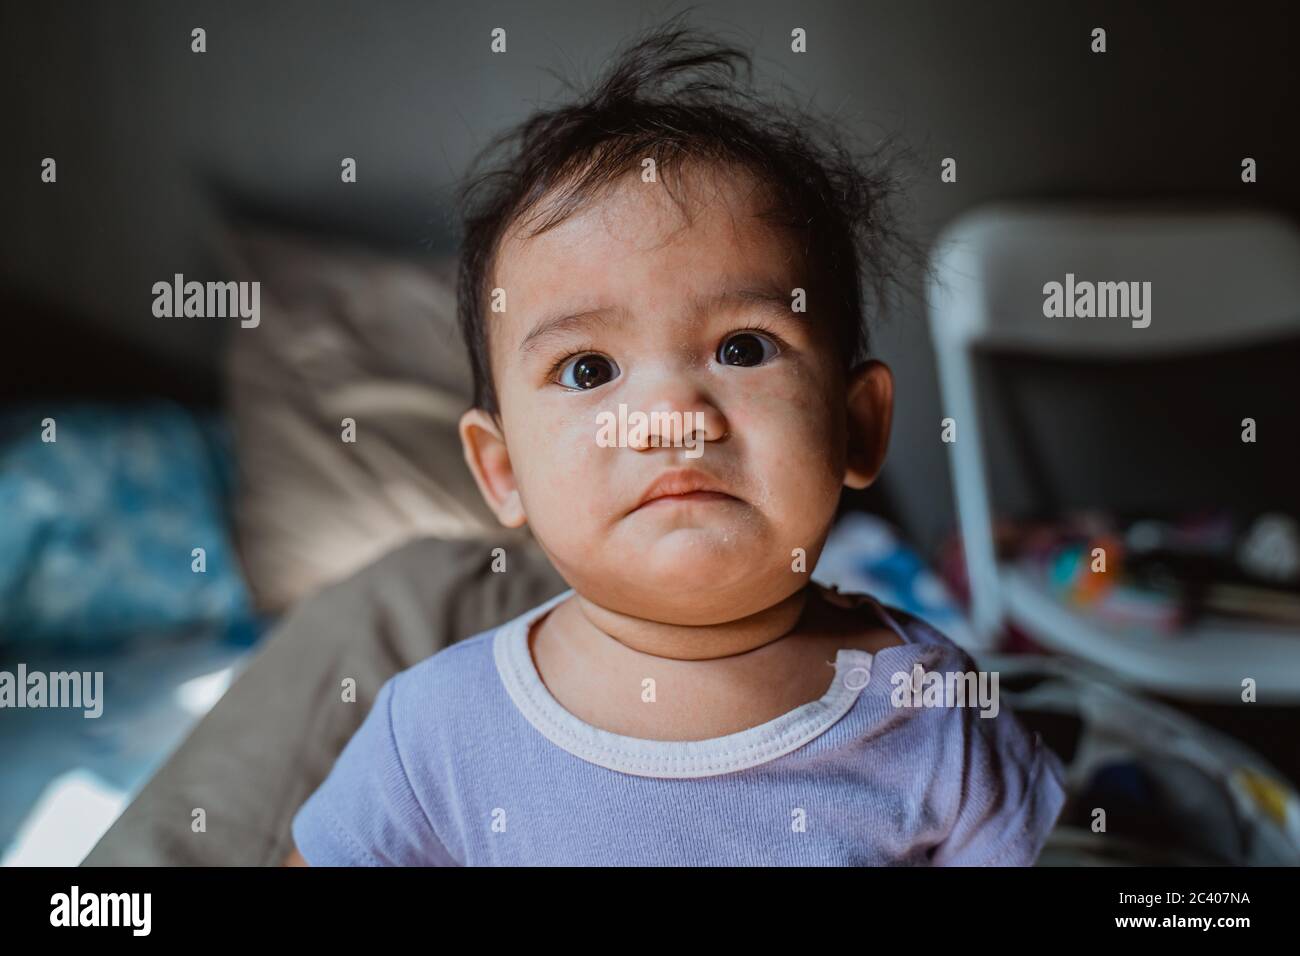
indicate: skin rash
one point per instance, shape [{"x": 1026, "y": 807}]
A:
[{"x": 696, "y": 592}]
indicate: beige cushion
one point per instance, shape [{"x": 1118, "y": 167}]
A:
[{"x": 345, "y": 332}]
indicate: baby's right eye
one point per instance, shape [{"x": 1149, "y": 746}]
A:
[{"x": 587, "y": 371}]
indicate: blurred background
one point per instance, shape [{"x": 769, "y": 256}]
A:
[{"x": 1122, "y": 165}]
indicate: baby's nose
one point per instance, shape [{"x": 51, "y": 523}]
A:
[{"x": 677, "y": 416}]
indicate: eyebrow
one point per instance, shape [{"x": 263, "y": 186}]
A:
[
  {"x": 565, "y": 322},
  {"x": 767, "y": 296}
]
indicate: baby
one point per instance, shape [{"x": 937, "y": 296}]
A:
[{"x": 675, "y": 247}]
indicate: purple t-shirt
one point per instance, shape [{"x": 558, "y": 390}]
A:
[{"x": 466, "y": 759}]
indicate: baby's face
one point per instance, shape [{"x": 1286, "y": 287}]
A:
[{"x": 626, "y": 303}]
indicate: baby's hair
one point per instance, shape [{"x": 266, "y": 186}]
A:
[{"x": 675, "y": 96}]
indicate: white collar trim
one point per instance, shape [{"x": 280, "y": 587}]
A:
[{"x": 668, "y": 758}]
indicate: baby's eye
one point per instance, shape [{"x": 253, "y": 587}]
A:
[
  {"x": 746, "y": 349},
  {"x": 587, "y": 371}
]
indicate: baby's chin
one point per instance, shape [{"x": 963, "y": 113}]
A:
[
  {"x": 718, "y": 539},
  {"x": 717, "y": 553},
  {"x": 691, "y": 573}
]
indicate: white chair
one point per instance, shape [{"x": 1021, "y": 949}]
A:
[{"x": 1218, "y": 279}]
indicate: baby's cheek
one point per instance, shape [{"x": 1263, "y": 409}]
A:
[
  {"x": 795, "y": 470},
  {"x": 561, "y": 473},
  {"x": 791, "y": 425}
]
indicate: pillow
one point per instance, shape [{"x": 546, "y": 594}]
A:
[
  {"x": 99, "y": 526},
  {"x": 344, "y": 333}
]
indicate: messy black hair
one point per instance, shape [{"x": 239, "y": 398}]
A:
[{"x": 676, "y": 96}]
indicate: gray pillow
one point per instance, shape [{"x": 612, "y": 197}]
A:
[{"x": 345, "y": 332}]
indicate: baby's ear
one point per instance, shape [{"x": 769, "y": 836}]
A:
[
  {"x": 489, "y": 461},
  {"x": 870, "y": 412}
]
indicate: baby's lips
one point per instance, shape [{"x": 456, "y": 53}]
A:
[{"x": 680, "y": 481}]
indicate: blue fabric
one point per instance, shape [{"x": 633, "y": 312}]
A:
[
  {"x": 97, "y": 528},
  {"x": 465, "y": 759}
]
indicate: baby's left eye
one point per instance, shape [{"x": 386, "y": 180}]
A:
[{"x": 747, "y": 349}]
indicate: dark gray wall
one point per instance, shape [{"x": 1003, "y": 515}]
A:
[{"x": 139, "y": 125}]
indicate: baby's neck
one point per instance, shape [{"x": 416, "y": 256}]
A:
[{"x": 689, "y": 642}]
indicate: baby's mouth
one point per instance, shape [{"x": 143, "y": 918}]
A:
[
  {"x": 683, "y": 487},
  {"x": 689, "y": 497}
]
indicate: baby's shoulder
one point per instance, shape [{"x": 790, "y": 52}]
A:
[
  {"x": 950, "y": 696},
  {"x": 444, "y": 684}
]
